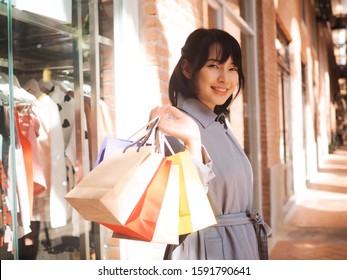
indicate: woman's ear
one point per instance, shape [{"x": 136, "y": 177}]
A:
[{"x": 186, "y": 69}]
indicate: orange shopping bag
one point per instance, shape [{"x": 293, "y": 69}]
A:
[
  {"x": 166, "y": 229},
  {"x": 142, "y": 221}
]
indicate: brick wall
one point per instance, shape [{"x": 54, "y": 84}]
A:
[{"x": 165, "y": 25}]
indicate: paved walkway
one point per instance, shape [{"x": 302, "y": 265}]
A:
[{"x": 317, "y": 230}]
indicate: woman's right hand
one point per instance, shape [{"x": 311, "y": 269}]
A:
[{"x": 178, "y": 124}]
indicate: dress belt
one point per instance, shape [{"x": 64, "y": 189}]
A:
[
  {"x": 233, "y": 219},
  {"x": 240, "y": 218},
  {"x": 262, "y": 230}
]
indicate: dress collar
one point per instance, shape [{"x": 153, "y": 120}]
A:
[{"x": 196, "y": 109}]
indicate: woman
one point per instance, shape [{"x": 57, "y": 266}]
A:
[{"x": 206, "y": 79}]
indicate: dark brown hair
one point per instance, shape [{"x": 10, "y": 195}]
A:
[{"x": 196, "y": 52}]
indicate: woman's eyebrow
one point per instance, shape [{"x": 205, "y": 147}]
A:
[
  {"x": 214, "y": 60},
  {"x": 219, "y": 61}
]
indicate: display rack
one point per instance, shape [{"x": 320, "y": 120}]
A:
[{"x": 72, "y": 50}]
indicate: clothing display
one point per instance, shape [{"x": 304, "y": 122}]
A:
[
  {"x": 45, "y": 162},
  {"x": 229, "y": 192},
  {"x": 49, "y": 158},
  {"x": 66, "y": 106},
  {"x": 6, "y": 220}
]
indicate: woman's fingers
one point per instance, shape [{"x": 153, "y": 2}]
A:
[{"x": 158, "y": 111}]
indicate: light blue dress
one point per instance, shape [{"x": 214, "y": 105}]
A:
[{"x": 230, "y": 193}]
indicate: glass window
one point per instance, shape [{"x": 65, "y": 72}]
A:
[{"x": 52, "y": 80}]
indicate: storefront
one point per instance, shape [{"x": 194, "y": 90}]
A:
[{"x": 57, "y": 49}]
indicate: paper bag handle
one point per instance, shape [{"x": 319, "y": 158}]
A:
[
  {"x": 150, "y": 127},
  {"x": 161, "y": 141}
]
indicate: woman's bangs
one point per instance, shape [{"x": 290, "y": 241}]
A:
[{"x": 228, "y": 49}]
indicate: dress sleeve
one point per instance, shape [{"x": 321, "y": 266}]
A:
[{"x": 204, "y": 168}]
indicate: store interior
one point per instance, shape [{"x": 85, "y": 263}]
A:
[{"x": 43, "y": 55}]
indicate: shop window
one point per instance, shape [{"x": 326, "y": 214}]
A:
[{"x": 61, "y": 61}]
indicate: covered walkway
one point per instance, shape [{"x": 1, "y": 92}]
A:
[{"x": 317, "y": 228}]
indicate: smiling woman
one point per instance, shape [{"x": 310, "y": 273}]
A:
[
  {"x": 207, "y": 78},
  {"x": 207, "y": 48},
  {"x": 216, "y": 81}
]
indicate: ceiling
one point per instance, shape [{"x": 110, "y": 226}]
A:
[
  {"x": 35, "y": 47},
  {"x": 37, "y": 42},
  {"x": 323, "y": 10},
  {"x": 329, "y": 11}
]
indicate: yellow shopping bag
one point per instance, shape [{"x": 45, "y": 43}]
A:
[{"x": 195, "y": 211}]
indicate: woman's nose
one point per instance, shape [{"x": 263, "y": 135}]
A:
[{"x": 222, "y": 77}]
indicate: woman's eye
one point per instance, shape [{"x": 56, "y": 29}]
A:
[
  {"x": 213, "y": 66},
  {"x": 234, "y": 69}
]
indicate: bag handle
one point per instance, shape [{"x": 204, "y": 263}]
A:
[
  {"x": 161, "y": 141},
  {"x": 150, "y": 127},
  {"x": 159, "y": 138},
  {"x": 155, "y": 120}
]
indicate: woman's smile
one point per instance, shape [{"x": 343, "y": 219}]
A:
[{"x": 219, "y": 90}]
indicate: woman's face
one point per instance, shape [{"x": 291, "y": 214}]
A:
[{"x": 216, "y": 81}]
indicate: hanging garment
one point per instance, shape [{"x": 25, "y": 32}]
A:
[
  {"x": 6, "y": 222},
  {"x": 50, "y": 205},
  {"x": 4, "y": 131},
  {"x": 21, "y": 198},
  {"x": 27, "y": 161},
  {"x": 5, "y": 215},
  {"x": 29, "y": 125},
  {"x": 66, "y": 107}
]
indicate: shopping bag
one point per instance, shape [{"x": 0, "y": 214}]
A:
[
  {"x": 109, "y": 145},
  {"x": 142, "y": 221},
  {"x": 166, "y": 229},
  {"x": 195, "y": 211},
  {"x": 110, "y": 192}
]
